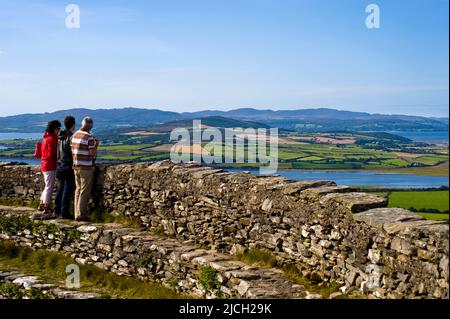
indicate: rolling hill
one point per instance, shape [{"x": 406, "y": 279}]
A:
[{"x": 309, "y": 120}]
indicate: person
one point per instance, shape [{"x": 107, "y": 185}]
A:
[
  {"x": 64, "y": 172},
  {"x": 84, "y": 148},
  {"x": 49, "y": 151}
]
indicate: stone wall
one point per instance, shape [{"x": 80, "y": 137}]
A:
[
  {"x": 329, "y": 232},
  {"x": 130, "y": 252}
]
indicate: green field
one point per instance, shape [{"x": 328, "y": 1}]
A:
[
  {"x": 432, "y": 205},
  {"x": 320, "y": 151},
  {"x": 420, "y": 200},
  {"x": 434, "y": 216}
]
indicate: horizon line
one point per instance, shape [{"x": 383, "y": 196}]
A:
[{"x": 219, "y": 110}]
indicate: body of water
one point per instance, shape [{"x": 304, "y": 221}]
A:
[
  {"x": 438, "y": 137},
  {"x": 361, "y": 178},
  {"x": 20, "y": 136},
  {"x": 349, "y": 178},
  {"x": 30, "y": 161}
]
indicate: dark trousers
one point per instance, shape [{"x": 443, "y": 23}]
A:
[{"x": 66, "y": 186}]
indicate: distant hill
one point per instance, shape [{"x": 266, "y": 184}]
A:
[
  {"x": 104, "y": 119},
  {"x": 215, "y": 121},
  {"x": 311, "y": 120},
  {"x": 325, "y": 119}
]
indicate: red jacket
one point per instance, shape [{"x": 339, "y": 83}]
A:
[{"x": 49, "y": 152}]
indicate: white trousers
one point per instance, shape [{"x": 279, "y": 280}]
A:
[{"x": 49, "y": 179}]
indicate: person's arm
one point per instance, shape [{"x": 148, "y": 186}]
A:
[
  {"x": 55, "y": 149},
  {"x": 92, "y": 145}
]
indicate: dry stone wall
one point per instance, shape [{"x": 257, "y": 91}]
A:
[
  {"x": 181, "y": 265},
  {"x": 328, "y": 232}
]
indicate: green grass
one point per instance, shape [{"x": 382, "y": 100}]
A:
[
  {"x": 118, "y": 157},
  {"x": 431, "y": 160},
  {"x": 124, "y": 147},
  {"x": 260, "y": 257},
  {"x": 437, "y": 170},
  {"x": 311, "y": 158},
  {"x": 18, "y": 202},
  {"x": 16, "y": 152},
  {"x": 396, "y": 162},
  {"x": 207, "y": 277},
  {"x": 434, "y": 216},
  {"x": 51, "y": 267},
  {"x": 325, "y": 166},
  {"x": 438, "y": 200}
]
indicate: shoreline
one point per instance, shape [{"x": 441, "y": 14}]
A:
[
  {"x": 440, "y": 170},
  {"x": 406, "y": 170}
]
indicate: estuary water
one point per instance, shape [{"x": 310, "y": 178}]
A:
[
  {"x": 361, "y": 178},
  {"x": 437, "y": 137},
  {"x": 349, "y": 178},
  {"x": 20, "y": 136}
]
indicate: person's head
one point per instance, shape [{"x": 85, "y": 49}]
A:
[
  {"x": 53, "y": 126},
  {"x": 87, "y": 124},
  {"x": 69, "y": 123}
]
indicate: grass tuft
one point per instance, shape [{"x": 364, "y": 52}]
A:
[{"x": 51, "y": 267}]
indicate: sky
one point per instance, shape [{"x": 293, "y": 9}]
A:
[{"x": 190, "y": 55}]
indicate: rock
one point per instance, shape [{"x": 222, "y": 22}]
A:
[
  {"x": 351, "y": 278},
  {"x": 312, "y": 296},
  {"x": 296, "y": 187},
  {"x": 336, "y": 295},
  {"x": 374, "y": 256},
  {"x": 244, "y": 221},
  {"x": 402, "y": 246},
  {"x": 243, "y": 287},
  {"x": 425, "y": 254},
  {"x": 169, "y": 226},
  {"x": 87, "y": 229},
  {"x": 238, "y": 249},
  {"x": 25, "y": 282},
  {"x": 267, "y": 205},
  {"x": 355, "y": 202}
]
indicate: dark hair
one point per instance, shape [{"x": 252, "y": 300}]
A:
[
  {"x": 52, "y": 126},
  {"x": 69, "y": 122}
]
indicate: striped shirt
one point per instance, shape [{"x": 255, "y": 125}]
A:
[{"x": 82, "y": 143}]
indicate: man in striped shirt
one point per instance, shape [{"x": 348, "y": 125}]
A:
[{"x": 84, "y": 148}]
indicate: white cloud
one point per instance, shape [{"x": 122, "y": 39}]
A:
[{"x": 2, "y": 52}]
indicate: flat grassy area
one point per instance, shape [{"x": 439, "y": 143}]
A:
[
  {"x": 124, "y": 147},
  {"x": 434, "y": 216},
  {"x": 437, "y": 200},
  {"x": 51, "y": 267},
  {"x": 438, "y": 170}
]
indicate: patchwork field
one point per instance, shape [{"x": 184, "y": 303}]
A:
[{"x": 318, "y": 151}]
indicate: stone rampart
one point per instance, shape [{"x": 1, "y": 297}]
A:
[{"x": 329, "y": 232}]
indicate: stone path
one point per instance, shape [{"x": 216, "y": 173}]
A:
[
  {"x": 26, "y": 283},
  {"x": 118, "y": 249}
]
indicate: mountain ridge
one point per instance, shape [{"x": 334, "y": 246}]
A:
[{"x": 311, "y": 119}]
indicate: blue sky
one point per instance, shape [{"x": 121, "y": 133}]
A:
[{"x": 187, "y": 55}]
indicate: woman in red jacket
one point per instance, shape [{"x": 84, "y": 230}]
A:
[{"x": 49, "y": 159}]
